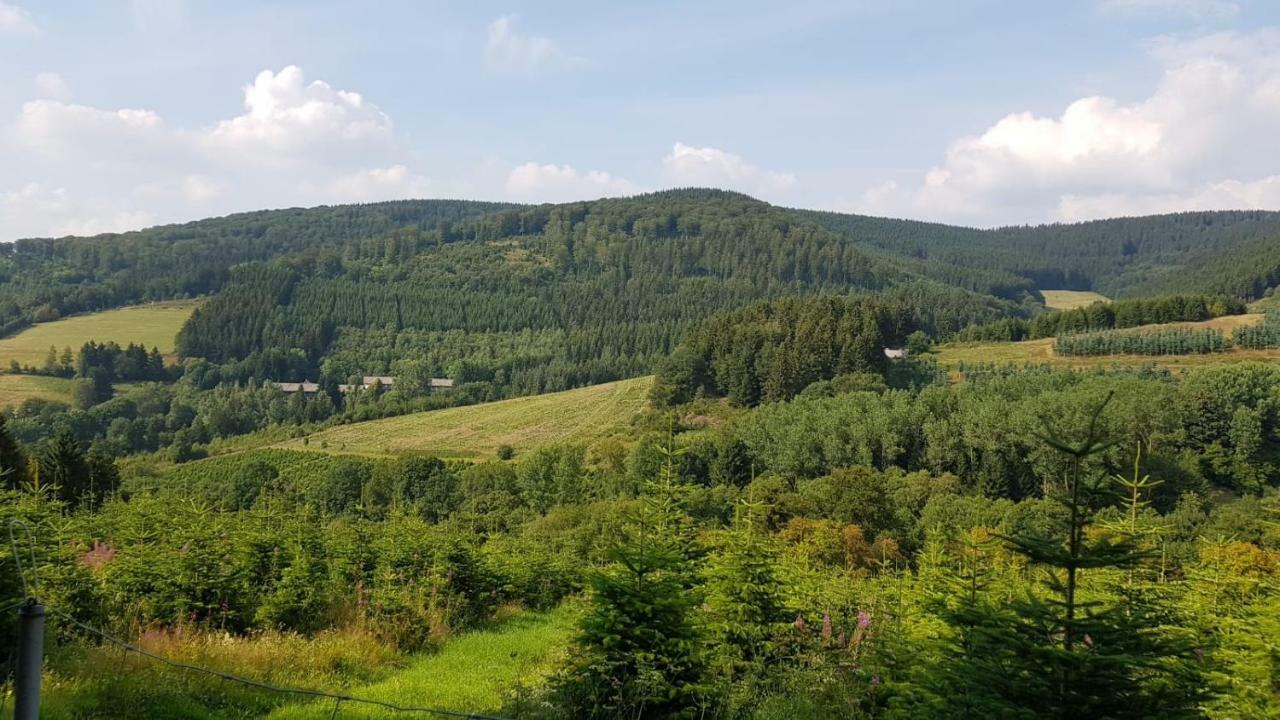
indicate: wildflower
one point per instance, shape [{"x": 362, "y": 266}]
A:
[
  {"x": 826, "y": 626},
  {"x": 97, "y": 557},
  {"x": 799, "y": 623},
  {"x": 864, "y": 619}
]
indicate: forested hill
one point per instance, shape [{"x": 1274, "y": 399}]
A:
[
  {"x": 543, "y": 298},
  {"x": 1158, "y": 254},
  {"x": 41, "y": 279}
]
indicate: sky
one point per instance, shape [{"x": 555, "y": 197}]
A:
[{"x": 121, "y": 114}]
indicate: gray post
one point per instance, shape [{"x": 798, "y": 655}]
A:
[{"x": 30, "y": 659}]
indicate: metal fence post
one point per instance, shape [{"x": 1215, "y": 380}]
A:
[{"x": 30, "y": 661}]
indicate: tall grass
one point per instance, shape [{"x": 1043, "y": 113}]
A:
[
  {"x": 485, "y": 671},
  {"x": 86, "y": 681}
]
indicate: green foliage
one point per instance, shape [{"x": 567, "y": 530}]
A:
[
  {"x": 638, "y": 652},
  {"x": 1178, "y": 341},
  {"x": 1061, "y": 654}
]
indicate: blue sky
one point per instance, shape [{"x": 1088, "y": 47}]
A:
[{"x": 120, "y": 114}]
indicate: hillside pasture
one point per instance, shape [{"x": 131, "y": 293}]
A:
[
  {"x": 17, "y": 389},
  {"x": 1071, "y": 299},
  {"x": 152, "y": 325},
  {"x": 476, "y": 431},
  {"x": 1035, "y": 352}
]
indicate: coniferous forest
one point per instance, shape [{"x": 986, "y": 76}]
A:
[{"x": 811, "y": 515}]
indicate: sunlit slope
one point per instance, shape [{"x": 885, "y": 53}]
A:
[
  {"x": 1041, "y": 351},
  {"x": 155, "y": 325},
  {"x": 1071, "y": 299},
  {"x": 476, "y": 431}
]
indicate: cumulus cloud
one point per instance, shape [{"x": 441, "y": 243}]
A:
[
  {"x": 295, "y": 142},
  {"x": 712, "y": 167},
  {"x": 510, "y": 51},
  {"x": 562, "y": 183},
  {"x": 1203, "y": 138},
  {"x": 287, "y": 119},
  {"x": 52, "y": 86},
  {"x": 16, "y": 20},
  {"x": 1199, "y": 10}
]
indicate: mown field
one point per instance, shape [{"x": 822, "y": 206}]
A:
[
  {"x": 1041, "y": 350},
  {"x": 153, "y": 325},
  {"x": 1071, "y": 299},
  {"x": 480, "y": 672},
  {"x": 476, "y": 431},
  {"x": 16, "y": 389}
]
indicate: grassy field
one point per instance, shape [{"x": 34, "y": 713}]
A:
[
  {"x": 1041, "y": 351},
  {"x": 1070, "y": 299},
  {"x": 476, "y": 673},
  {"x": 154, "y": 325},
  {"x": 476, "y": 431},
  {"x": 15, "y": 389}
]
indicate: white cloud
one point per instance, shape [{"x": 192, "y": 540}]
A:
[
  {"x": 287, "y": 119},
  {"x": 52, "y": 86},
  {"x": 1204, "y": 138},
  {"x": 510, "y": 51},
  {"x": 712, "y": 167},
  {"x": 36, "y": 210},
  {"x": 562, "y": 183},
  {"x": 1165, "y": 9},
  {"x": 16, "y": 20},
  {"x": 390, "y": 183},
  {"x": 296, "y": 142}
]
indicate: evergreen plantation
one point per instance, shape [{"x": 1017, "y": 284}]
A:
[{"x": 803, "y": 518}]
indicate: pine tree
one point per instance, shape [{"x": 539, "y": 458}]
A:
[
  {"x": 1072, "y": 656},
  {"x": 13, "y": 461},
  {"x": 639, "y": 652},
  {"x": 63, "y": 467},
  {"x": 744, "y": 595},
  {"x": 1066, "y": 652}
]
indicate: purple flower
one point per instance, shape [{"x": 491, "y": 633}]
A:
[{"x": 864, "y": 619}]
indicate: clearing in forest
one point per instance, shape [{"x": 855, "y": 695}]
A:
[
  {"x": 1071, "y": 299},
  {"x": 152, "y": 325},
  {"x": 479, "y": 672},
  {"x": 16, "y": 389},
  {"x": 1039, "y": 351},
  {"x": 476, "y": 431}
]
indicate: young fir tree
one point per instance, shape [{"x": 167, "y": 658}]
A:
[
  {"x": 64, "y": 467},
  {"x": 639, "y": 652},
  {"x": 13, "y": 462},
  {"x": 744, "y": 597},
  {"x": 1065, "y": 653}
]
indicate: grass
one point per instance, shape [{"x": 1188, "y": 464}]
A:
[
  {"x": 98, "y": 681},
  {"x": 476, "y": 431},
  {"x": 1070, "y": 299},
  {"x": 479, "y": 672},
  {"x": 1041, "y": 351},
  {"x": 17, "y": 389},
  {"x": 153, "y": 325}
]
